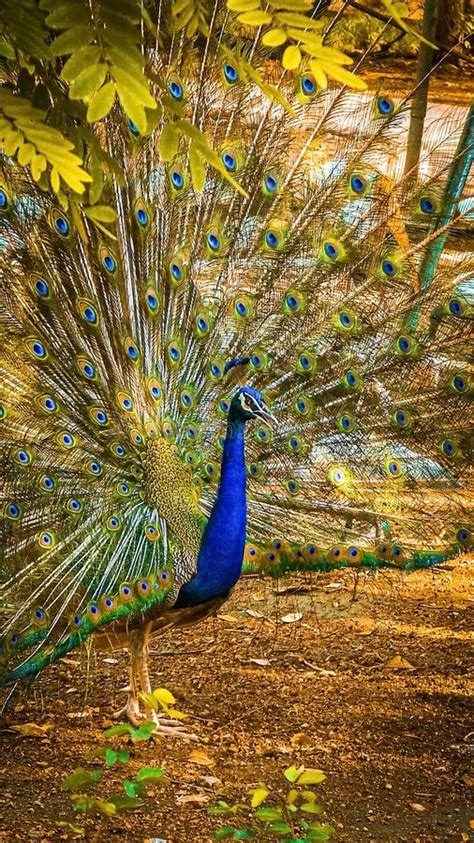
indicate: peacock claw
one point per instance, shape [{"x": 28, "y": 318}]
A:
[
  {"x": 172, "y": 728},
  {"x": 131, "y": 712}
]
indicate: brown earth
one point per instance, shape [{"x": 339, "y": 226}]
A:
[{"x": 393, "y": 741}]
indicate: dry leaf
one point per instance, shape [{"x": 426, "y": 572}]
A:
[
  {"x": 415, "y": 806},
  {"x": 199, "y": 798},
  {"x": 300, "y": 739},
  {"x": 260, "y": 662},
  {"x": 292, "y": 617},
  {"x": 253, "y": 614},
  {"x": 210, "y": 780},
  {"x": 31, "y": 730},
  {"x": 399, "y": 663},
  {"x": 199, "y": 757},
  {"x": 229, "y": 618}
]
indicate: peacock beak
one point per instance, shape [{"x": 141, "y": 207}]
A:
[{"x": 264, "y": 413}]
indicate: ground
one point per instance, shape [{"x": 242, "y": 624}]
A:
[{"x": 372, "y": 690}]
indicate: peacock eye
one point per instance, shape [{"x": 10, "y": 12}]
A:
[{"x": 248, "y": 402}]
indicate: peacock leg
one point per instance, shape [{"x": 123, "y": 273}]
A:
[
  {"x": 138, "y": 651},
  {"x": 164, "y": 726}
]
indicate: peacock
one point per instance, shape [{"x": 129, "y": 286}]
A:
[{"x": 266, "y": 371}]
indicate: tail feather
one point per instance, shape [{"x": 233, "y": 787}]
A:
[{"x": 312, "y": 269}]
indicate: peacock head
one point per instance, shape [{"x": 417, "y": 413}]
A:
[{"x": 248, "y": 404}]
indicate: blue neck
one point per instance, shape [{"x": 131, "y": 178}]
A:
[{"x": 223, "y": 543}]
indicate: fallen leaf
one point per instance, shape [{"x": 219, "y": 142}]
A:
[
  {"x": 399, "y": 663},
  {"x": 198, "y": 798},
  {"x": 229, "y": 618},
  {"x": 210, "y": 780},
  {"x": 260, "y": 662},
  {"x": 415, "y": 806},
  {"x": 300, "y": 739},
  {"x": 253, "y": 614},
  {"x": 110, "y": 661},
  {"x": 199, "y": 757},
  {"x": 31, "y": 730},
  {"x": 293, "y": 617}
]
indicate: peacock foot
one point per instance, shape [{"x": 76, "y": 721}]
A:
[
  {"x": 171, "y": 728},
  {"x": 131, "y": 712}
]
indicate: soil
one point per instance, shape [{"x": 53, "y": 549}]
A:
[{"x": 371, "y": 687}]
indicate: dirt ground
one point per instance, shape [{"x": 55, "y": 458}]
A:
[{"x": 372, "y": 690}]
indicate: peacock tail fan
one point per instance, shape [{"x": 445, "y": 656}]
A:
[{"x": 115, "y": 394}]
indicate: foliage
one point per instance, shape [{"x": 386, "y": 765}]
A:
[
  {"x": 289, "y": 819},
  {"x": 65, "y": 65}
]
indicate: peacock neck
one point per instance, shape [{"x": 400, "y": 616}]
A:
[{"x": 222, "y": 548}]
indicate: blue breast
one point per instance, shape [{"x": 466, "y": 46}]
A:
[{"x": 221, "y": 554}]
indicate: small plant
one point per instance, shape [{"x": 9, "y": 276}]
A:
[
  {"x": 290, "y": 819},
  {"x": 82, "y": 781}
]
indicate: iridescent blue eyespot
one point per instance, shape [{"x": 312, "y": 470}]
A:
[
  {"x": 384, "y": 105},
  {"x": 403, "y": 344},
  {"x": 152, "y": 301},
  {"x": 241, "y": 308},
  {"x": 448, "y": 448},
  {"x": 38, "y": 349},
  {"x": 345, "y": 319},
  {"x": 176, "y": 271},
  {"x": 463, "y": 535},
  {"x": 48, "y": 482},
  {"x": 13, "y": 511},
  {"x": 133, "y": 128},
  {"x": 388, "y": 268},
  {"x": 77, "y": 621},
  {"x": 351, "y": 379},
  {"x": 88, "y": 370},
  {"x": 294, "y": 443},
  {"x": 358, "y": 184},
  {"x": 177, "y": 179},
  {"x": 455, "y": 307},
  {"x": 174, "y": 352},
  {"x": 67, "y": 439},
  {"x": 175, "y": 89},
  {"x": 213, "y": 241},
  {"x": 231, "y": 73},
  {"x": 142, "y": 216},
  {"x": 132, "y": 352},
  {"x": 301, "y": 405},
  {"x": 229, "y": 161},
  {"x": 224, "y": 406},
  {"x": 109, "y": 602},
  {"x": 426, "y": 205},
  {"x": 308, "y": 85},
  {"x": 74, "y": 504},
  {"x": 202, "y": 324},
  {"x": 330, "y": 250},
  {"x": 95, "y": 467},
  {"x": 109, "y": 262},
  {"x": 3, "y": 200},
  {"x": 345, "y": 422},
  {"x": 400, "y": 417},
  {"x": 23, "y": 457},
  {"x": 271, "y": 184},
  {"x": 114, "y": 522},
  {"x": 271, "y": 239},
  {"x": 42, "y": 288},
  {"x": 459, "y": 383},
  {"x": 62, "y": 225}
]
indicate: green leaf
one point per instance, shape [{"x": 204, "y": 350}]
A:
[
  {"x": 274, "y": 38},
  {"x": 268, "y": 814},
  {"x": 243, "y": 5},
  {"x": 169, "y": 142},
  {"x": 221, "y": 808},
  {"x": 126, "y": 803},
  {"x": 6, "y": 50},
  {"x": 129, "y": 788},
  {"x": 149, "y": 774},
  {"x": 103, "y": 213},
  {"x": 68, "y": 15},
  {"x": 255, "y": 18},
  {"x": 225, "y": 831},
  {"x": 292, "y": 773},
  {"x": 311, "y": 777},
  {"x": 116, "y": 731},
  {"x": 79, "y": 61},
  {"x": 76, "y": 829},
  {"x": 291, "y": 58},
  {"x": 311, "y": 808},
  {"x": 280, "y": 828},
  {"x": 101, "y": 102},
  {"x": 292, "y": 5},
  {"x": 198, "y": 168},
  {"x": 259, "y": 795},
  {"x": 88, "y": 82},
  {"x": 298, "y": 21},
  {"x": 80, "y": 779},
  {"x": 72, "y": 40}
]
